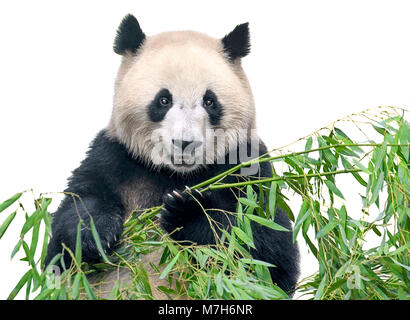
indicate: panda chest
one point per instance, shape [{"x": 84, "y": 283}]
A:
[{"x": 141, "y": 193}]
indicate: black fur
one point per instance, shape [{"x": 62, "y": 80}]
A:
[
  {"x": 108, "y": 166},
  {"x": 156, "y": 111},
  {"x": 129, "y": 36},
  {"x": 237, "y": 42},
  {"x": 215, "y": 112}
]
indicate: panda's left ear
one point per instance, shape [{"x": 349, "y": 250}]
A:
[
  {"x": 237, "y": 43},
  {"x": 129, "y": 36}
]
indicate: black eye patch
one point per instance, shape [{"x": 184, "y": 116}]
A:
[
  {"x": 212, "y": 107},
  {"x": 159, "y": 107}
]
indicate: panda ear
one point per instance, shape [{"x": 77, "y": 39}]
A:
[
  {"x": 129, "y": 36},
  {"x": 237, "y": 43}
]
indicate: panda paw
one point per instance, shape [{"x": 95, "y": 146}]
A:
[
  {"x": 182, "y": 206},
  {"x": 109, "y": 230}
]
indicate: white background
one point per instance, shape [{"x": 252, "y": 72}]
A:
[{"x": 312, "y": 62}]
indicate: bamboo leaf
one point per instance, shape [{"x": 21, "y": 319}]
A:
[
  {"x": 380, "y": 153},
  {"x": 267, "y": 223},
  {"x": 30, "y": 221},
  {"x": 361, "y": 166},
  {"x": 76, "y": 286},
  {"x": 308, "y": 144},
  {"x": 19, "y": 285},
  {"x": 16, "y": 248},
  {"x": 87, "y": 287},
  {"x": 285, "y": 208},
  {"x": 248, "y": 202},
  {"x": 243, "y": 236},
  {"x": 320, "y": 291},
  {"x": 97, "y": 240},
  {"x": 257, "y": 262},
  {"x": 326, "y": 229},
  {"x": 333, "y": 188},
  {"x": 376, "y": 189},
  {"x": 303, "y": 214},
  {"x": 169, "y": 267},
  {"x": 4, "y": 205},
  {"x": 6, "y": 223},
  {"x": 272, "y": 199},
  {"x": 78, "y": 249}
]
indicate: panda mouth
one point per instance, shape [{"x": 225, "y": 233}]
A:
[{"x": 181, "y": 163}]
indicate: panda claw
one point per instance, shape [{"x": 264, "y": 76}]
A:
[
  {"x": 177, "y": 194},
  {"x": 199, "y": 193}
]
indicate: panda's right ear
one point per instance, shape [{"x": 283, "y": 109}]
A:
[{"x": 129, "y": 36}]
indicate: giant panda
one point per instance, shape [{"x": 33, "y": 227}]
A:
[{"x": 183, "y": 84}]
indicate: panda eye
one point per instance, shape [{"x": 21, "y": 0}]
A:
[
  {"x": 209, "y": 103},
  {"x": 164, "y": 101}
]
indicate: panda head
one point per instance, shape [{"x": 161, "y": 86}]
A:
[{"x": 181, "y": 98}]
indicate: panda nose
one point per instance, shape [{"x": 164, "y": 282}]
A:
[{"x": 182, "y": 144}]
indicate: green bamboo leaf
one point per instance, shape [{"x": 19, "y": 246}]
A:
[
  {"x": 76, "y": 286},
  {"x": 98, "y": 241},
  {"x": 44, "y": 294},
  {"x": 78, "y": 249},
  {"x": 261, "y": 201},
  {"x": 169, "y": 267},
  {"x": 249, "y": 192},
  {"x": 34, "y": 237},
  {"x": 347, "y": 165},
  {"x": 46, "y": 238},
  {"x": 267, "y": 223},
  {"x": 359, "y": 179},
  {"x": 376, "y": 189},
  {"x": 19, "y": 285},
  {"x": 343, "y": 136},
  {"x": 326, "y": 154},
  {"x": 333, "y": 188},
  {"x": 4, "y": 205},
  {"x": 379, "y": 130},
  {"x": 53, "y": 262},
  {"x": 272, "y": 199},
  {"x": 16, "y": 248},
  {"x": 285, "y": 208},
  {"x": 28, "y": 286},
  {"x": 376, "y": 231},
  {"x": 308, "y": 144},
  {"x": 115, "y": 292},
  {"x": 310, "y": 244},
  {"x": 219, "y": 284},
  {"x": 248, "y": 202},
  {"x": 243, "y": 236},
  {"x": 87, "y": 287},
  {"x": 361, "y": 166},
  {"x": 405, "y": 247},
  {"x": 380, "y": 154},
  {"x": 6, "y": 223},
  {"x": 326, "y": 229},
  {"x": 303, "y": 214},
  {"x": 321, "y": 288},
  {"x": 30, "y": 260},
  {"x": 402, "y": 295},
  {"x": 30, "y": 221},
  {"x": 167, "y": 291},
  {"x": 257, "y": 262},
  {"x": 343, "y": 216}
]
